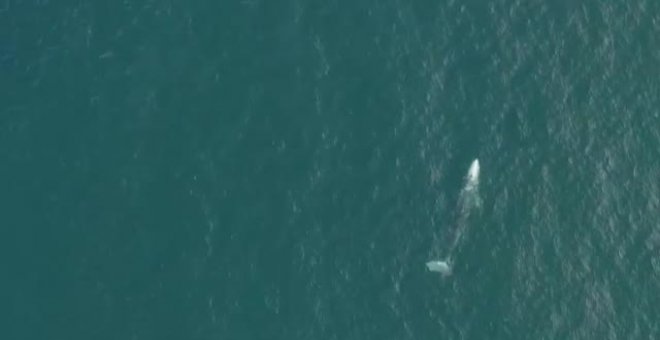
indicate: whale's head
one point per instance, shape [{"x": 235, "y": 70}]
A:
[{"x": 473, "y": 173}]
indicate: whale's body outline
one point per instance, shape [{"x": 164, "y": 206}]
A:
[{"x": 467, "y": 199}]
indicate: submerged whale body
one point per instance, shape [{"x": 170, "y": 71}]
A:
[{"x": 469, "y": 199}]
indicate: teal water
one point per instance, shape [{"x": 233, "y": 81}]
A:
[{"x": 283, "y": 170}]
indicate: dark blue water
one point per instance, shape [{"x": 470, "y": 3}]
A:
[{"x": 284, "y": 170}]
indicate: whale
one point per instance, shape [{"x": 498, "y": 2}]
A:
[{"x": 469, "y": 199}]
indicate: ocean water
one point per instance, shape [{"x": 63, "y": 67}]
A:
[{"x": 284, "y": 170}]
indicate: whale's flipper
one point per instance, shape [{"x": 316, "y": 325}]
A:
[{"x": 442, "y": 267}]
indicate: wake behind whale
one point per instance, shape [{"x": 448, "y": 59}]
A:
[{"x": 467, "y": 201}]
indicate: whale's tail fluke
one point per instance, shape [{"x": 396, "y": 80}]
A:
[{"x": 442, "y": 267}]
